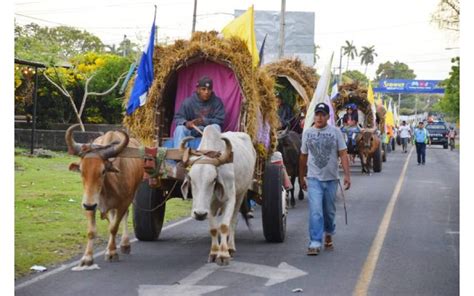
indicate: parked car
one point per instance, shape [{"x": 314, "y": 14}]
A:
[{"x": 438, "y": 133}]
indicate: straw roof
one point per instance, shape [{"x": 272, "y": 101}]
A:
[
  {"x": 356, "y": 94},
  {"x": 256, "y": 85},
  {"x": 295, "y": 69}
]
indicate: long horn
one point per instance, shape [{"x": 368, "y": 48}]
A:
[
  {"x": 225, "y": 157},
  {"x": 115, "y": 149},
  {"x": 73, "y": 148},
  {"x": 182, "y": 145}
]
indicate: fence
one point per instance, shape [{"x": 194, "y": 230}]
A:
[{"x": 54, "y": 139}]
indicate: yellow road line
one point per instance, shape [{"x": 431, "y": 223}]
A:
[{"x": 365, "y": 276}]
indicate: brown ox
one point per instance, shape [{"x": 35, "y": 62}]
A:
[
  {"x": 109, "y": 184},
  {"x": 367, "y": 145}
]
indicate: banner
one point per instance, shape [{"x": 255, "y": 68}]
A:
[{"x": 403, "y": 86}]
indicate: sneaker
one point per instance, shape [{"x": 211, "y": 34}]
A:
[
  {"x": 250, "y": 214},
  {"x": 313, "y": 251},
  {"x": 423, "y": 163},
  {"x": 328, "y": 243}
]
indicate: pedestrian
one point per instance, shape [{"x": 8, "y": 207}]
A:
[
  {"x": 452, "y": 136},
  {"x": 322, "y": 144},
  {"x": 405, "y": 135},
  {"x": 421, "y": 139}
]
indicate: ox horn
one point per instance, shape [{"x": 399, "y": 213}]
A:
[
  {"x": 73, "y": 148},
  {"x": 182, "y": 145},
  {"x": 115, "y": 150},
  {"x": 226, "y": 156}
]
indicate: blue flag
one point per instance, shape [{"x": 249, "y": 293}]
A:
[{"x": 144, "y": 76}]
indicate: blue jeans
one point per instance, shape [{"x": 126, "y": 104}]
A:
[
  {"x": 322, "y": 210},
  {"x": 182, "y": 131},
  {"x": 420, "y": 152}
]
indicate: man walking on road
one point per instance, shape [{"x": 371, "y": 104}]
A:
[
  {"x": 321, "y": 146},
  {"x": 421, "y": 138},
  {"x": 405, "y": 135}
]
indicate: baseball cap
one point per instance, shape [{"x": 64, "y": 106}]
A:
[
  {"x": 321, "y": 107},
  {"x": 205, "y": 82}
]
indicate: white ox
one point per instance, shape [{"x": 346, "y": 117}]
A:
[{"x": 219, "y": 186}]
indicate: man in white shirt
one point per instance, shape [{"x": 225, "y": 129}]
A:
[{"x": 405, "y": 135}]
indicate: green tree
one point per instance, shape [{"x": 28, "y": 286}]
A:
[
  {"x": 367, "y": 55},
  {"x": 449, "y": 104},
  {"x": 350, "y": 51},
  {"x": 93, "y": 78},
  {"x": 396, "y": 70},
  {"x": 355, "y": 75},
  {"x": 53, "y": 45}
]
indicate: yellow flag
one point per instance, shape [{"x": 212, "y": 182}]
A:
[
  {"x": 370, "y": 94},
  {"x": 370, "y": 97},
  {"x": 243, "y": 27},
  {"x": 389, "y": 116}
]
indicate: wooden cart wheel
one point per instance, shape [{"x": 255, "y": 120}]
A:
[
  {"x": 147, "y": 224},
  {"x": 377, "y": 161},
  {"x": 274, "y": 204}
]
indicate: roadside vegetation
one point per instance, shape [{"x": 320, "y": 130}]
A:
[{"x": 50, "y": 226}]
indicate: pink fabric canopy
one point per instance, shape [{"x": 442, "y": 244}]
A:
[{"x": 225, "y": 86}]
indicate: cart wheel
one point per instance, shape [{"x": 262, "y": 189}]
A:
[
  {"x": 274, "y": 204},
  {"x": 377, "y": 161},
  {"x": 147, "y": 224}
]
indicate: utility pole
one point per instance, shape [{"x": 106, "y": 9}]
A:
[
  {"x": 399, "y": 96},
  {"x": 282, "y": 29},
  {"x": 194, "y": 16}
]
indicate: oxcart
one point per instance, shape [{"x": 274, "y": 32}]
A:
[
  {"x": 250, "y": 104},
  {"x": 294, "y": 86},
  {"x": 353, "y": 94}
]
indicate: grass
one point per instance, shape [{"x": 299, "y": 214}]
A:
[{"x": 50, "y": 226}]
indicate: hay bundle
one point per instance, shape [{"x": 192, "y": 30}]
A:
[
  {"x": 295, "y": 69},
  {"x": 256, "y": 86},
  {"x": 353, "y": 93}
]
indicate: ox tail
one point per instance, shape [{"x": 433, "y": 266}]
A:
[{"x": 244, "y": 210}]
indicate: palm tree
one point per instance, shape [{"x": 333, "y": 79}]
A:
[
  {"x": 350, "y": 51},
  {"x": 367, "y": 56}
]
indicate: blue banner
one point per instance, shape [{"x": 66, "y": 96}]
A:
[{"x": 403, "y": 86}]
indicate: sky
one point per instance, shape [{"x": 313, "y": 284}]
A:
[{"x": 400, "y": 30}]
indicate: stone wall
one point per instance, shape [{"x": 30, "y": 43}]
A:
[{"x": 54, "y": 139}]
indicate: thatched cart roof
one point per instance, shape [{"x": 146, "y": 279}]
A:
[
  {"x": 355, "y": 94},
  {"x": 256, "y": 85},
  {"x": 295, "y": 69}
]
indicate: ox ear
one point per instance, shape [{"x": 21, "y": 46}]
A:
[
  {"x": 219, "y": 189},
  {"x": 74, "y": 167},
  {"x": 109, "y": 167},
  {"x": 185, "y": 186}
]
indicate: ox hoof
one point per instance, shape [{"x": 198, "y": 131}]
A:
[
  {"x": 231, "y": 252},
  {"x": 212, "y": 258},
  {"x": 223, "y": 261},
  {"x": 125, "y": 249},
  {"x": 112, "y": 257},
  {"x": 86, "y": 262}
]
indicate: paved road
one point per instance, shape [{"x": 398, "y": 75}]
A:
[{"x": 418, "y": 252}]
